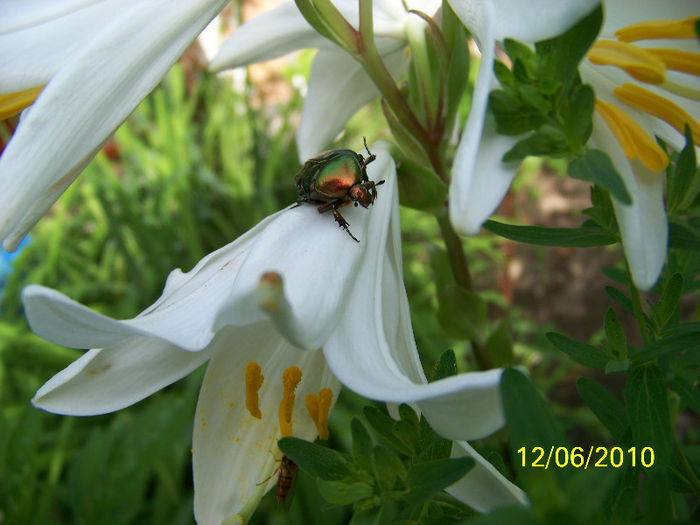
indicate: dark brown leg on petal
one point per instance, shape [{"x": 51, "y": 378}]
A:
[{"x": 343, "y": 223}]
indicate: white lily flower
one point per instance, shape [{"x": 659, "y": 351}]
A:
[
  {"x": 96, "y": 60},
  {"x": 480, "y": 179},
  {"x": 293, "y": 291}
]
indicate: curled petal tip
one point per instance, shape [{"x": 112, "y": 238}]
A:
[
  {"x": 270, "y": 291},
  {"x": 272, "y": 300}
]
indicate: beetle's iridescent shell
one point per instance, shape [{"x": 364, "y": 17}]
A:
[{"x": 329, "y": 176}]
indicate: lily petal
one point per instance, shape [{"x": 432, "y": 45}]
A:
[
  {"x": 37, "y": 39},
  {"x": 270, "y": 35},
  {"x": 109, "y": 379},
  {"x": 183, "y": 315},
  {"x": 465, "y": 406},
  {"x": 483, "y": 488},
  {"x": 538, "y": 20},
  {"x": 234, "y": 453},
  {"x": 338, "y": 87},
  {"x": 87, "y": 100},
  {"x": 643, "y": 224}
]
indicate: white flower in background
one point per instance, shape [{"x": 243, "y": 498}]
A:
[
  {"x": 338, "y": 85},
  {"x": 95, "y": 60},
  {"x": 641, "y": 92},
  {"x": 296, "y": 301}
]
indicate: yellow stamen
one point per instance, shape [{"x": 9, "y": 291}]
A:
[
  {"x": 635, "y": 142},
  {"x": 658, "y": 29},
  {"x": 253, "y": 381},
  {"x": 677, "y": 60},
  {"x": 660, "y": 107},
  {"x": 290, "y": 379},
  {"x": 639, "y": 64},
  {"x": 12, "y": 103},
  {"x": 319, "y": 407}
]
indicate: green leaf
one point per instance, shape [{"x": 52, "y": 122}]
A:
[
  {"x": 656, "y": 498},
  {"x": 616, "y": 340},
  {"x": 689, "y": 395},
  {"x": 595, "y": 166},
  {"x": 681, "y": 236},
  {"x": 499, "y": 345},
  {"x": 384, "y": 426},
  {"x": 668, "y": 303},
  {"x": 681, "y": 192},
  {"x": 432, "y": 445},
  {"x": 319, "y": 461},
  {"x": 529, "y": 417},
  {"x": 621, "y": 299},
  {"x": 511, "y": 115},
  {"x": 578, "y": 115},
  {"x": 344, "y": 492},
  {"x": 522, "y": 53},
  {"x": 461, "y": 313},
  {"x": 457, "y": 75},
  {"x": 446, "y": 366},
  {"x": 680, "y": 342},
  {"x": 362, "y": 445},
  {"x": 647, "y": 409},
  {"x": 425, "y": 479},
  {"x": 560, "y": 56},
  {"x": 620, "y": 503},
  {"x": 585, "y": 354},
  {"x": 605, "y": 406},
  {"x": 540, "y": 236},
  {"x": 546, "y": 140},
  {"x": 419, "y": 187},
  {"x": 387, "y": 467}
]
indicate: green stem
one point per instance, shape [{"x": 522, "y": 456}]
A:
[
  {"x": 637, "y": 307},
  {"x": 455, "y": 253},
  {"x": 460, "y": 270},
  {"x": 372, "y": 61}
]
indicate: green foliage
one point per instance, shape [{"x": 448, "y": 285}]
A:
[{"x": 396, "y": 473}]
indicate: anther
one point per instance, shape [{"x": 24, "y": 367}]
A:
[
  {"x": 12, "y": 103},
  {"x": 290, "y": 379},
  {"x": 253, "y": 381},
  {"x": 660, "y": 107},
  {"x": 635, "y": 142},
  {"x": 319, "y": 406},
  {"x": 658, "y": 29}
]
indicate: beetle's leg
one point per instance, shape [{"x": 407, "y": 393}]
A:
[
  {"x": 343, "y": 223},
  {"x": 371, "y": 157},
  {"x": 325, "y": 207}
]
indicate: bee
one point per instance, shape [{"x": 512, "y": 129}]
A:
[{"x": 288, "y": 472}]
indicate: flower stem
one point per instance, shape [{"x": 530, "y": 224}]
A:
[
  {"x": 460, "y": 271},
  {"x": 455, "y": 253},
  {"x": 637, "y": 307}
]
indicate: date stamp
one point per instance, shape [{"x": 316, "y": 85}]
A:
[{"x": 579, "y": 457}]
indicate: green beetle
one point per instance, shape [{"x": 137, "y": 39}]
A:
[{"x": 337, "y": 178}]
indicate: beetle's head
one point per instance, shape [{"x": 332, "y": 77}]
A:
[{"x": 359, "y": 194}]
